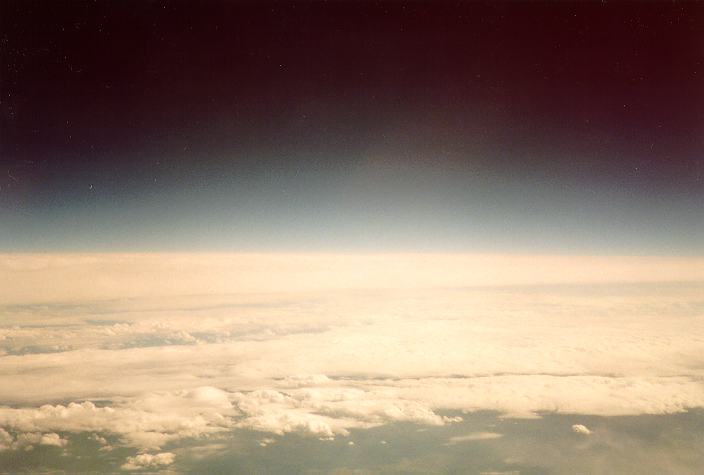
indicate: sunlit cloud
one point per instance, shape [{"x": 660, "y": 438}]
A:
[{"x": 341, "y": 351}]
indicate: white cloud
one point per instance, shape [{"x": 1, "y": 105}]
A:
[
  {"x": 146, "y": 422},
  {"x": 266, "y": 441},
  {"x": 168, "y": 365},
  {"x": 27, "y": 440},
  {"x": 52, "y": 439},
  {"x": 581, "y": 429},
  {"x": 474, "y": 436},
  {"x": 142, "y": 461}
]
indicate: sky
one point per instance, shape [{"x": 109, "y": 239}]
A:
[{"x": 224, "y": 126}]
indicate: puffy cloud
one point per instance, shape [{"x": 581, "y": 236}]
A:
[
  {"x": 331, "y": 411},
  {"x": 146, "y": 422},
  {"x": 581, "y": 429},
  {"x": 28, "y": 440},
  {"x": 52, "y": 439},
  {"x": 142, "y": 461}
]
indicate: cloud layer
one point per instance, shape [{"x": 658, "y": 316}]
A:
[
  {"x": 76, "y": 278},
  {"x": 150, "y": 370}
]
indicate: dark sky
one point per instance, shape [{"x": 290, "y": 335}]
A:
[{"x": 438, "y": 126}]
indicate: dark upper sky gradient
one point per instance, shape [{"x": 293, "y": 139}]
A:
[{"x": 438, "y": 126}]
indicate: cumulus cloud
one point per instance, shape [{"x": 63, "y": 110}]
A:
[
  {"x": 52, "y": 439},
  {"x": 146, "y": 422},
  {"x": 581, "y": 429},
  {"x": 27, "y": 440},
  {"x": 142, "y": 461},
  {"x": 327, "y": 412}
]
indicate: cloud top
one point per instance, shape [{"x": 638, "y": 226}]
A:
[
  {"x": 42, "y": 278},
  {"x": 169, "y": 358}
]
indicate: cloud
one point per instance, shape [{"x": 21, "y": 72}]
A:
[
  {"x": 474, "y": 436},
  {"x": 100, "y": 440},
  {"x": 6, "y": 440},
  {"x": 580, "y": 429},
  {"x": 52, "y": 439},
  {"x": 266, "y": 441},
  {"x": 27, "y": 440},
  {"x": 180, "y": 360},
  {"x": 327, "y": 412},
  {"x": 531, "y": 394},
  {"x": 146, "y": 422},
  {"x": 142, "y": 461},
  {"x": 42, "y": 278}
]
